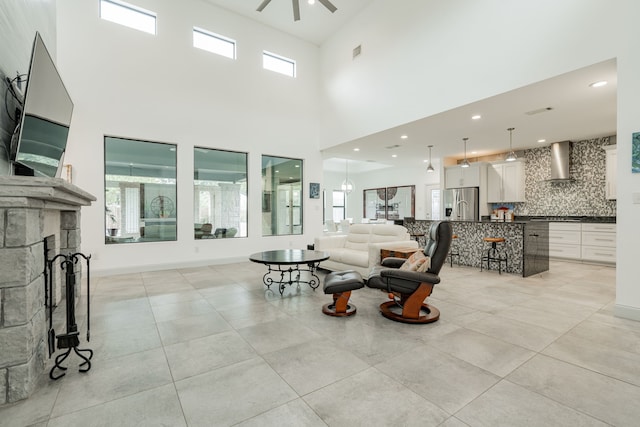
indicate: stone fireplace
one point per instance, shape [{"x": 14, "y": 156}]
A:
[{"x": 31, "y": 210}]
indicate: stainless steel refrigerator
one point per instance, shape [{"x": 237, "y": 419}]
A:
[{"x": 461, "y": 204}]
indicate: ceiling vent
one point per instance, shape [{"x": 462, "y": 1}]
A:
[
  {"x": 391, "y": 147},
  {"x": 357, "y": 51},
  {"x": 538, "y": 111}
]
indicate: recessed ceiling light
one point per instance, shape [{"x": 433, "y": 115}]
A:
[
  {"x": 394, "y": 155},
  {"x": 598, "y": 84},
  {"x": 476, "y": 117},
  {"x": 404, "y": 137},
  {"x": 425, "y": 161},
  {"x": 356, "y": 149},
  {"x": 540, "y": 141},
  {"x": 311, "y": 1}
]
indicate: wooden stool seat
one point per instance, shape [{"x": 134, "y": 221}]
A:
[{"x": 494, "y": 239}]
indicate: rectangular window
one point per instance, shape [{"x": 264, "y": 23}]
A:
[
  {"x": 128, "y": 15},
  {"x": 279, "y": 64},
  {"x": 140, "y": 191},
  {"x": 281, "y": 196},
  {"x": 339, "y": 206},
  {"x": 219, "y": 193},
  {"x": 205, "y": 40}
]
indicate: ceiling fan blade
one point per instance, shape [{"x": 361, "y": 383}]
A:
[
  {"x": 296, "y": 10},
  {"x": 263, "y": 5},
  {"x": 328, "y": 5}
]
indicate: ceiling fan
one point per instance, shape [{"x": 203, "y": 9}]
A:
[{"x": 296, "y": 7}]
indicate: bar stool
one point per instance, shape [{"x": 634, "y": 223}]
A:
[
  {"x": 494, "y": 254},
  {"x": 454, "y": 251}
]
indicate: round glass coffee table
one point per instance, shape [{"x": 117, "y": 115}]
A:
[{"x": 285, "y": 266}]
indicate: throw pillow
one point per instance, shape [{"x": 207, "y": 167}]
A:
[{"x": 415, "y": 262}]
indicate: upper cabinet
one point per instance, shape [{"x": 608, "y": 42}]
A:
[
  {"x": 459, "y": 177},
  {"x": 610, "y": 175},
  {"x": 505, "y": 182}
]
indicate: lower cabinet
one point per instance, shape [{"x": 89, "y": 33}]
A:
[
  {"x": 599, "y": 242},
  {"x": 589, "y": 242},
  {"x": 564, "y": 240}
]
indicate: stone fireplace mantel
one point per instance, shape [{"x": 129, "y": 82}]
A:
[{"x": 31, "y": 209}]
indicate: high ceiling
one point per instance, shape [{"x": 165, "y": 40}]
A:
[
  {"x": 316, "y": 23},
  {"x": 577, "y": 111}
]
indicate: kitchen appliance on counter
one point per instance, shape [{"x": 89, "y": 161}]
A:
[{"x": 461, "y": 204}]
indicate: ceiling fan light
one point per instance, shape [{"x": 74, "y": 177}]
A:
[{"x": 511, "y": 156}]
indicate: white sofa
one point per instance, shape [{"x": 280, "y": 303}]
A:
[{"x": 359, "y": 249}]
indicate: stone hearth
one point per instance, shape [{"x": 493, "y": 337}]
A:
[{"x": 31, "y": 209}]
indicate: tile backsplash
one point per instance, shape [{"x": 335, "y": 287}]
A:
[{"x": 585, "y": 196}]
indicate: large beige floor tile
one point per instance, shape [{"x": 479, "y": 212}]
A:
[
  {"x": 600, "y": 396},
  {"x": 371, "y": 398},
  {"x": 232, "y": 394},
  {"x": 510, "y": 405},
  {"x": 155, "y": 407}
]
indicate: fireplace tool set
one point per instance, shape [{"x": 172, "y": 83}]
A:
[{"x": 71, "y": 339}]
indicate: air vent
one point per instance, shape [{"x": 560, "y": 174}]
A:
[
  {"x": 538, "y": 111},
  {"x": 357, "y": 51},
  {"x": 391, "y": 147}
]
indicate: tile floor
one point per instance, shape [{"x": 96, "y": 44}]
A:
[{"x": 210, "y": 347}]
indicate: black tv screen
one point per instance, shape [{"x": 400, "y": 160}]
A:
[{"x": 44, "y": 126}]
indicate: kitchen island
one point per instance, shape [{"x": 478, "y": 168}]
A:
[{"x": 526, "y": 242}]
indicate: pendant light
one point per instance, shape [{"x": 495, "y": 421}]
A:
[
  {"x": 465, "y": 162},
  {"x": 511, "y": 156},
  {"x": 430, "y": 168},
  {"x": 347, "y": 185}
]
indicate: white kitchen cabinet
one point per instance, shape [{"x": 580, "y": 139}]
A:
[
  {"x": 505, "y": 182},
  {"x": 610, "y": 174},
  {"x": 599, "y": 242},
  {"x": 459, "y": 177},
  {"x": 565, "y": 240}
]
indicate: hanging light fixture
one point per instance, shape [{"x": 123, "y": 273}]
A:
[
  {"x": 430, "y": 168},
  {"x": 465, "y": 162},
  {"x": 347, "y": 186},
  {"x": 511, "y": 156}
]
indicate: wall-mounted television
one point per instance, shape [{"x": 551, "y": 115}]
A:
[{"x": 44, "y": 124}]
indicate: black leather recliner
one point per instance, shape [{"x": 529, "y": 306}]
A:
[{"x": 409, "y": 289}]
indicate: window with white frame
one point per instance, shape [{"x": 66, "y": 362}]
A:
[
  {"x": 128, "y": 15},
  {"x": 279, "y": 64},
  {"x": 214, "y": 43}
]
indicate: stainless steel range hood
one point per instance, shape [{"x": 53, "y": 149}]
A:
[{"x": 560, "y": 156}]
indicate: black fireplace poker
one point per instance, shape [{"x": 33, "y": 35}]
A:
[{"x": 71, "y": 339}]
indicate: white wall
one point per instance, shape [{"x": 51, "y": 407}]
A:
[
  {"x": 422, "y": 57},
  {"x": 159, "y": 88},
  {"x": 19, "y": 21}
]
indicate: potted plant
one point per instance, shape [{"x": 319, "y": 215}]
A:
[{"x": 112, "y": 222}]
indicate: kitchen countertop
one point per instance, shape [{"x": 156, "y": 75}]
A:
[{"x": 527, "y": 219}]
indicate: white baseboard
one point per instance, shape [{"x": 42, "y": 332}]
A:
[
  {"x": 626, "y": 312},
  {"x": 164, "y": 266}
]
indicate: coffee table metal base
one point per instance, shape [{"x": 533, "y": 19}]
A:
[
  {"x": 286, "y": 267},
  {"x": 283, "y": 275}
]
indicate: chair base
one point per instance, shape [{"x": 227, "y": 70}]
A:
[
  {"x": 431, "y": 314},
  {"x": 330, "y": 310}
]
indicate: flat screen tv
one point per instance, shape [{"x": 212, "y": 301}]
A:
[{"x": 46, "y": 116}]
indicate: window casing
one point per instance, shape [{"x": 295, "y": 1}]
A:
[
  {"x": 140, "y": 191},
  {"x": 282, "y": 186},
  {"x": 128, "y": 15},
  {"x": 279, "y": 64},
  {"x": 214, "y": 43},
  {"x": 219, "y": 193}
]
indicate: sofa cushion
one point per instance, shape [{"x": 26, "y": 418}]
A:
[
  {"x": 349, "y": 256},
  {"x": 358, "y": 238}
]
